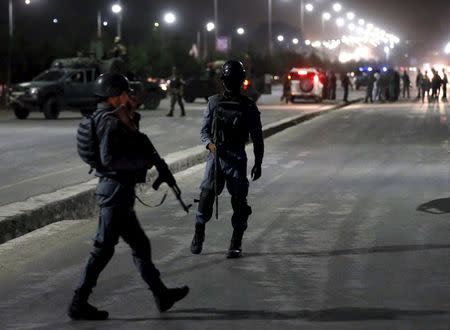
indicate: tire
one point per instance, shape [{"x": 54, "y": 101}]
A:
[
  {"x": 21, "y": 112},
  {"x": 52, "y": 108},
  {"x": 152, "y": 101},
  {"x": 189, "y": 99}
]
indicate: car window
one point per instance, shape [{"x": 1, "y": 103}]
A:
[
  {"x": 77, "y": 77},
  {"x": 52, "y": 75}
]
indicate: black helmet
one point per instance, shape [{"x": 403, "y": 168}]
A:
[
  {"x": 233, "y": 71},
  {"x": 111, "y": 84}
]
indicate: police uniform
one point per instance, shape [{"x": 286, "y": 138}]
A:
[
  {"x": 122, "y": 164},
  {"x": 176, "y": 94}
]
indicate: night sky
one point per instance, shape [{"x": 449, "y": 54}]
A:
[{"x": 426, "y": 26}]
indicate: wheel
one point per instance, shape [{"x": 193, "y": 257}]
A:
[
  {"x": 152, "y": 101},
  {"x": 52, "y": 108},
  {"x": 189, "y": 99},
  {"x": 21, "y": 112}
]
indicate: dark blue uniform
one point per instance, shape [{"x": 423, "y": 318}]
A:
[
  {"x": 122, "y": 166},
  {"x": 232, "y": 158}
]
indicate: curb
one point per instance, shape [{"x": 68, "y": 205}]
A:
[{"x": 78, "y": 202}]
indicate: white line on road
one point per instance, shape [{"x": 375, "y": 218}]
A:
[{"x": 42, "y": 177}]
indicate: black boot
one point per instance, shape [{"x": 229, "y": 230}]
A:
[
  {"x": 199, "y": 238},
  {"x": 166, "y": 299},
  {"x": 235, "y": 250},
  {"x": 80, "y": 309}
]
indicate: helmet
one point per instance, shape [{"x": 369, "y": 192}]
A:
[
  {"x": 111, "y": 84},
  {"x": 233, "y": 71}
]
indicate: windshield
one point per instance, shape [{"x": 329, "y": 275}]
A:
[{"x": 52, "y": 75}]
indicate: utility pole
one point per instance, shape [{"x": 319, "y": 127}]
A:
[
  {"x": 119, "y": 20},
  {"x": 269, "y": 5},
  {"x": 99, "y": 24},
  {"x": 10, "y": 48},
  {"x": 302, "y": 17},
  {"x": 216, "y": 19}
]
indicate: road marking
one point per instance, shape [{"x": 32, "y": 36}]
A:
[{"x": 41, "y": 177}]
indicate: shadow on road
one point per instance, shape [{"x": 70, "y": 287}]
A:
[
  {"x": 327, "y": 315},
  {"x": 437, "y": 206},
  {"x": 305, "y": 254}
]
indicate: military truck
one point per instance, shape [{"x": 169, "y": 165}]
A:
[
  {"x": 69, "y": 84},
  {"x": 208, "y": 84}
]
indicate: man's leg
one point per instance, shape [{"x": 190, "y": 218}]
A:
[
  {"x": 181, "y": 104},
  {"x": 173, "y": 100},
  {"x": 105, "y": 241},
  {"x": 133, "y": 234},
  {"x": 238, "y": 189},
  {"x": 205, "y": 205}
]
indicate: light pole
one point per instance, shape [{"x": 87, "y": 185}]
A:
[
  {"x": 210, "y": 26},
  {"x": 269, "y": 5},
  {"x": 10, "y": 47},
  {"x": 302, "y": 17},
  {"x": 216, "y": 19},
  {"x": 117, "y": 9}
]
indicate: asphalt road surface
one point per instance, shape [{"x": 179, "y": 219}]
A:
[
  {"x": 350, "y": 230},
  {"x": 39, "y": 156}
]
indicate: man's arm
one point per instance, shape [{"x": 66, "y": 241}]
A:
[
  {"x": 258, "y": 141},
  {"x": 206, "y": 130}
]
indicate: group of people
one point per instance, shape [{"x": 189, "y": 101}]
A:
[
  {"x": 425, "y": 85},
  {"x": 111, "y": 143},
  {"x": 388, "y": 86}
]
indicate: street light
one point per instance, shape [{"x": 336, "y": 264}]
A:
[
  {"x": 210, "y": 26},
  {"x": 170, "y": 18},
  {"x": 280, "y": 38},
  {"x": 351, "y": 16},
  {"x": 337, "y": 7},
  {"x": 308, "y": 42},
  {"x": 116, "y": 8},
  {"x": 325, "y": 17},
  {"x": 361, "y": 22},
  {"x": 340, "y": 22},
  {"x": 105, "y": 23},
  {"x": 240, "y": 31},
  {"x": 295, "y": 41},
  {"x": 27, "y": 2},
  {"x": 447, "y": 49},
  {"x": 309, "y": 7},
  {"x": 55, "y": 21}
]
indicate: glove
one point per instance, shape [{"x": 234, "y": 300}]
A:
[
  {"x": 256, "y": 172},
  {"x": 212, "y": 147}
]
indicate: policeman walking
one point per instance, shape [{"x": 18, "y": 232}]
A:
[
  {"x": 120, "y": 164},
  {"x": 176, "y": 92},
  {"x": 229, "y": 120}
]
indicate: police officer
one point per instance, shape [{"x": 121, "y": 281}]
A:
[
  {"x": 444, "y": 85},
  {"x": 346, "y": 84},
  {"x": 176, "y": 92},
  {"x": 121, "y": 163},
  {"x": 228, "y": 122},
  {"x": 406, "y": 84}
]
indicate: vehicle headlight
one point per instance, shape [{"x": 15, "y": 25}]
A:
[
  {"x": 34, "y": 91},
  {"x": 163, "y": 87}
]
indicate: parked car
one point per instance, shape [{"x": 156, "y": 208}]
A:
[{"x": 306, "y": 83}]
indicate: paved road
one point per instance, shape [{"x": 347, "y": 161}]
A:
[
  {"x": 349, "y": 231},
  {"x": 39, "y": 156}
]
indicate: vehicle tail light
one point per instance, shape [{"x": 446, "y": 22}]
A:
[
  {"x": 246, "y": 84},
  {"x": 302, "y": 72},
  {"x": 316, "y": 78}
]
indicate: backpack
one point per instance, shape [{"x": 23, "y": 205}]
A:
[{"x": 88, "y": 144}]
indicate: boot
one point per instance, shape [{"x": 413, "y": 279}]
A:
[
  {"x": 80, "y": 309},
  {"x": 169, "y": 297},
  {"x": 235, "y": 250},
  {"x": 199, "y": 238},
  {"x": 170, "y": 114}
]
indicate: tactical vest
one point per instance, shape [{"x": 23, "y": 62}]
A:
[{"x": 230, "y": 124}]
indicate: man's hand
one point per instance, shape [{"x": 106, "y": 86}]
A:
[
  {"x": 256, "y": 172},
  {"x": 212, "y": 147}
]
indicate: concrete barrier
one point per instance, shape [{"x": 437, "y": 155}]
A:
[{"x": 78, "y": 202}]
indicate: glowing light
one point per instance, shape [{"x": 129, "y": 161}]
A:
[
  {"x": 316, "y": 44},
  {"x": 309, "y": 7},
  {"x": 55, "y": 21},
  {"x": 337, "y": 7},
  {"x": 156, "y": 24},
  {"x": 447, "y": 48},
  {"x": 105, "y": 23},
  {"x": 352, "y": 27},
  {"x": 326, "y": 16},
  {"x": 340, "y": 22},
  {"x": 280, "y": 38},
  {"x": 295, "y": 41},
  {"x": 370, "y": 26},
  {"x": 316, "y": 78},
  {"x": 27, "y": 2},
  {"x": 308, "y": 42},
  {"x": 170, "y": 18},
  {"x": 302, "y": 72},
  {"x": 350, "y": 16},
  {"x": 240, "y": 31},
  {"x": 210, "y": 26},
  {"x": 361, "y": 22},
  {"x": 116, "y": 8}
]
